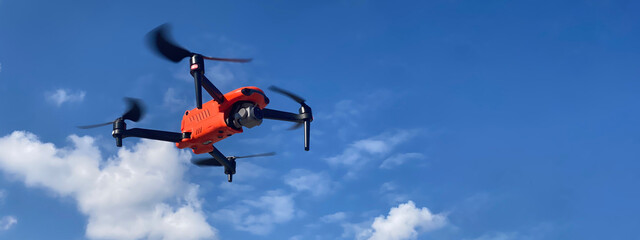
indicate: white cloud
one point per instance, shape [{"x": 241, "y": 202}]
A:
[
  {"x": 182, "y": 74},
  {"x": 259, "y": 216},
  {"x": 358, "y": 231},
  {"x": 125, "y": 197},
  {"x": 346, "y": 110},
  {"x": 7, "y": 222},
  {"x": 399, "y": 159},
  {"x": 332, "y": 218},
  {"x": 500, "y": 236},
  {"x": 403, "y": 222},
  {"x": 251, "y": 171},
  {"x": 61, "y": 96},
  {"x": 297, "y": 237},
  {"x": 538, "y": 231},
  {"x": 388, "y": 187},
  {"x": 220, "y": 75},
  {"x": 389, "y": 192},
  {"x": 3, "y": 195},
  {"x": 361, "y": 152},
  {"x": 317, "y": 184},
  {"x": 173, "y": 102}
]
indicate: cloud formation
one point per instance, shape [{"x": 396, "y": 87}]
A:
[
  {"x": 500, "y": 236},
  {"x": 7, "y": 222},
  {"x": 62, "y": 96},
  {"x": 317, "y": 184},
  {"x": 361, "y": 152},
  {"x": 126, "y": 197},
  {"x": 220, "y": 74},
  {"x": 259, "y": 216},
  {"x": 403, "y": 222},
  {"x": 399, "y": 159},
  {"x": 173, "y": 102},
  {"x": 335, "y": 217}
]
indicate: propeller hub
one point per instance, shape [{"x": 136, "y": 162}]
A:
[{"x": 119, "y": 126}]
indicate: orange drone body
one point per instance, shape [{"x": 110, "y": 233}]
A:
[{"x": 208, "y": 126}]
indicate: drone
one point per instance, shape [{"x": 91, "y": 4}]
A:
[{"x": 212, "y": 121}]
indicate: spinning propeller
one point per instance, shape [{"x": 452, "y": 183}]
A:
[
  {"x": 212, "y": 162},
  {"x": 305, "y": 114},
  {"x": 229, "y": 163},
  {"x": 134, "y": 113},
  {"x": 296, "y": 98},
  {"x": 162, "y": 43}
]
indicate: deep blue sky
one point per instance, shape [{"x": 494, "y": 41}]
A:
[{"x": 523, "y": 115}]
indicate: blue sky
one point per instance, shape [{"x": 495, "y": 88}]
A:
[{"x": 478, "y": 120}]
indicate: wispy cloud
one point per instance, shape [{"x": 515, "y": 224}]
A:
[
  {"x": 333, "y": 218},
  {"x": 220, "y": 74},
  {"x": 405, "y": 221},
  {"x": 389, "y": 191},
  {"x": 261, "y": 215},
  {"x": 7, "y": 222},
  {"x": 361, "y": 152},
  {"x": 3, "y": 195},
  {"x": 125, "y": 197},
  {"x": 388, "y": 187},
  {"x": 317, "y": 184},
  {"x": 173, "y": 102},
  {"x": 538, "y": 231},
  {"x": 399, "y": 159},
  {"x": 499, "y": 236},
  {"x": 346, "y": 110},
  {"x": 349, "y": 115},
  {"x": 61, "y": 96}
]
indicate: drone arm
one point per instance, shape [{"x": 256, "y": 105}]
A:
[
  {"x": 307, "y": 134},
  {"x": 197, "y": 82},
  {"x": 212, "y": 90},
  {"x": 200, "y": 81},
  {"x": 151, "y": 134},
  {"x": 229, "y": 166},
  {"x": 304, "y": 117},
  {"x": 281, "y": 115}
]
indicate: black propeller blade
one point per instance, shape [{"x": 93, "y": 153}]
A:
[
  {"x": 212, "y": 162},
  {"x": 292, "y": 96},
  {"x": 161, "y": 42},
  {"x": 296, "y": 126},
  {"x": 95, "y": 125},
  {"x": 158, "y": 38},
  {"x": 256, "y": 155},
  {"x": 135, "y": 110},
  {"x": 134, "y": 113},
  {"x": 206, "y": 162},
  {"x": 238, "y": 60},
  {"x": 287, "y": 93},
  {"x": 305, "y": 111}
]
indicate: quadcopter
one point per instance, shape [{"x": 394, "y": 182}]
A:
[{"x": 212, "y": 121}]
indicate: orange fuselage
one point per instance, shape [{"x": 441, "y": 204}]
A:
[{"x": 208, "y": 125}]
